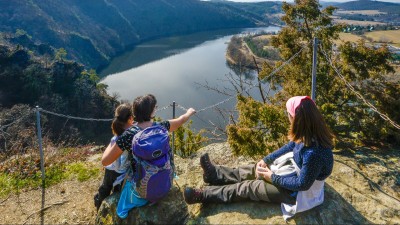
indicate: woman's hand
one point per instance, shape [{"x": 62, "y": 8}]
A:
[
  {"x": 265, "y": 173},
  {"x": 261, "y": 164},
  {"x": 190, "y": 111},
  {"x": 176, "y": 123}
]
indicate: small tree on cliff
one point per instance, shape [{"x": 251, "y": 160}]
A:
[
  {"x": 61, "y": 54},
  {"x": 263, "y": 127}
]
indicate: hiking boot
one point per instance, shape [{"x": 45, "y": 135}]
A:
[
  {"x": 209, "y": 171},
  {"x": 193, "y": 195}
]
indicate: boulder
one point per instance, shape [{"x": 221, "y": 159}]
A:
[
  {"x": 172, "y": 209},
  {"x": 350, "y": 196}
]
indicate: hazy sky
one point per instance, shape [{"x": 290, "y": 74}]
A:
[{"x": 396, "y": 1}]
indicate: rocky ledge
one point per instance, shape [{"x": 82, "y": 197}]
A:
[{"x": 363, "y": 189}]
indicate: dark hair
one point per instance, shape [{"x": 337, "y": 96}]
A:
[
  {"x": 122, "y": 114},
  {"x": 309, "y": 126},
  {"x": 143, "y": 106}
]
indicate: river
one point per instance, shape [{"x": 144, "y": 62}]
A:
[{"x": 177, "y": 69}]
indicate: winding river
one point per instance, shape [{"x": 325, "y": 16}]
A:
[{"x": 178, "y": 69}]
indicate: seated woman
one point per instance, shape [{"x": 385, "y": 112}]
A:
[
  {"x": 311, "y": 146},
  {"x": 143, "y": 108},
  {"x": 114, "y": 173}
]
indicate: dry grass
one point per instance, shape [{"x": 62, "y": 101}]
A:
[
  {"x": 384, "y": 36},
  {"x": 348, "y": 37},
  {"x": 264, "y": 37},
  {"x": 361, "y": 12},
  {"x": 357, "y": 22},
  {"x": 387, "y": 36},
  {"x": 397, "y": 71}
]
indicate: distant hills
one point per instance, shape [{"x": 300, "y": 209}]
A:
[
  {"x": 94, "y": 31},
  {"x": 387, "y": 7}
]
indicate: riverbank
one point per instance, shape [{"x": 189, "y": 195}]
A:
[{"x": 239, "y": 54}]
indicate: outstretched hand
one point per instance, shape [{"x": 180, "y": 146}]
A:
[
  {"x": 190, "y": 111},
  {"x": 176, "y": 123}
]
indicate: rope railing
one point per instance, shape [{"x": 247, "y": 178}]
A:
[
  {"x": 196, "y": 115},
  {"x": 284, "y": 64},
  {"x": 73, "y": 117},
  {"x": 163, "y": 108},
  {"x": 372, "y": 107}
]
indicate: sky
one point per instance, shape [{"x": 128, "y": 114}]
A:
[{"x": 395, "y": 1}]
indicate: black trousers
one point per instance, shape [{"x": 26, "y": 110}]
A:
[
  {"x": 107, "y": 186},
  {"x": 240, "y": 184}
]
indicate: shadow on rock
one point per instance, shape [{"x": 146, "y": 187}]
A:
[{"x": 334, "y": 210}]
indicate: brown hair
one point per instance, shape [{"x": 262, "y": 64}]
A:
[
  {"x": 122, "y": 115},
  {"x": 143, "y": 107},
  {"x": 309, "y": 126}
]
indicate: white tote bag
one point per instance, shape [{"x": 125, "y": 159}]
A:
[{"x": 305, "y": 200}]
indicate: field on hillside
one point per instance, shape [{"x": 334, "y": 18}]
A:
[
  {"x": 384, "y": 36},
  {"x": 264, "y": 37},
  {"x": 389, "y": 36},
  {"x": 361, "y": 12},
  {"x": 348, "y": 37},
  {"x": 358, "y": 22}
]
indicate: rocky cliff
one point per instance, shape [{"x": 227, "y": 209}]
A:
[{"x": 363, "y": 189}]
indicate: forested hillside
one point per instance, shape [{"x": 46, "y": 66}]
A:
[
  {"x": 270, "y": 11},
  {"x": 93, "y": 31},
  {"x": 31, "y": 75}
]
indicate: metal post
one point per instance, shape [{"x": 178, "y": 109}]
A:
[
  {"x": 314, "y": 69},
  {"x": 39, "y": 130},
  {"x": 39, "y": 134},
  {"x": 173, "y": 133},
  {"x": 173, "y": 142}
]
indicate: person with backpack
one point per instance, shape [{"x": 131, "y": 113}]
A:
[
  {"x": 292, "y": 175},
  {"x": 147, "y": 142},
  {"x": 114, "y": 173}
]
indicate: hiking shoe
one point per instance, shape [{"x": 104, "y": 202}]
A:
[
  {"x": 193, "y": 195},
  {"x": 209, "y": 171}
]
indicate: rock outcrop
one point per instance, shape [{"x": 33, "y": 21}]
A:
[
  {"x": 351, "y": 197},
  {"x": 172, "y": 210}
]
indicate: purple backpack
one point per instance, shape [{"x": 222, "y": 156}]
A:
[{"x": 153, "y": 172}]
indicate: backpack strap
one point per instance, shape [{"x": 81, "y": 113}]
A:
[
  {"x": 131, "y": 171},
  {"x": 171, "y": 157}
]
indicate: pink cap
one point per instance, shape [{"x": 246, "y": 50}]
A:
[{"x": 293, "y": 103}]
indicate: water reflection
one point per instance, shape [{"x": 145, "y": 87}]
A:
[
  {"x": 172, "y": 69},
  {"x": 161, "y": 48}
]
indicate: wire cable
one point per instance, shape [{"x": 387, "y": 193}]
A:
[
  {"x": 382, "y": 115},
  {"x": 73, "y": 117}
]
